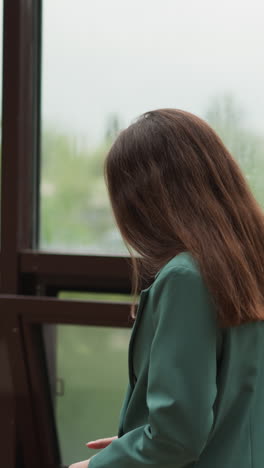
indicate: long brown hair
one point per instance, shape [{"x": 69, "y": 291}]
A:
[{"x": 174, "y": 186}]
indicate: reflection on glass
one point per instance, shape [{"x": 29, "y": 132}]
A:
[
  {"x": 105, "y": 63},
  {"x": 88, "y": 367}
]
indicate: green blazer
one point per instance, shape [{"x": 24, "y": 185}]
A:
[{"x": 195, "y": 396}]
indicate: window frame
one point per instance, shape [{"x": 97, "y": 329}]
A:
[
  {"x": 25, "y": 341},
  {"x": 31, "y": 278}
]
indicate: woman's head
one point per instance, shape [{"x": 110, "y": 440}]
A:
[{"x": 174, "y": 186}]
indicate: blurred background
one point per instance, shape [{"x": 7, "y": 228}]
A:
[
  {"x": 104, "y": 63},
  {"x": 98, "y": 66}
]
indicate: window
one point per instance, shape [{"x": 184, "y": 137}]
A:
[
  {"x": 91, "y": 376},
  {"x": 106, "y": 63},
  {"x": 102, "y": 64}
]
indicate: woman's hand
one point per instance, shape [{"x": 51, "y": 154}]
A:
[
  {"x": 100, "y": 443},
  {"x": 94, "y": 444},
  {"x": 81, "y": 464}
]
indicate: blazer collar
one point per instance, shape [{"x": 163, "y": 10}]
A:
[
  {"x": 142, "y": 300},
  {"x": 169, "y": 263}
]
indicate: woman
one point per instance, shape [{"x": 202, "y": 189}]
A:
[{"x": 196, "y": 354}]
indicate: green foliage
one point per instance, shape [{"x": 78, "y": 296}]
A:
[
  {"x": 227, "y": 118},
  {"x": 75, "y": 209}
]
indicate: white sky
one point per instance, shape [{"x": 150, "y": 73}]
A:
[{"x": 107, "y": 56}]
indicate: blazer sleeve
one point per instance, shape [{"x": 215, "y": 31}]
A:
[{"x": 181, "y": 386}]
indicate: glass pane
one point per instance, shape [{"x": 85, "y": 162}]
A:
[
  {"x": 106, "y": 63},
  {"x": 88, "y": 371}
]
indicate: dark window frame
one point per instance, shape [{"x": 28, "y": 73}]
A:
[
  {"x": 36, "y": 426},
  {"x": 31, "y": 278}
]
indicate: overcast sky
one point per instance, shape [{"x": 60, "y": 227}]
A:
[{"x": 107, "y": 56}]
